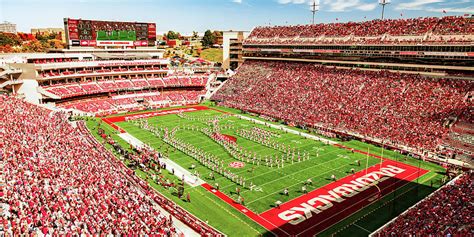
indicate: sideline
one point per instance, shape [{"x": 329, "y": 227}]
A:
[{"x": 171, "y": 166}]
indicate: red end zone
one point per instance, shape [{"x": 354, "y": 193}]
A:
[
  {"x": 314, "y": 212},
  {"x": 112, "y": 120},
  {"x": 156, "y": 113}
]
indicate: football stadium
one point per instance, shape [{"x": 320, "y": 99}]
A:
[{"x": 357, "y": 128}]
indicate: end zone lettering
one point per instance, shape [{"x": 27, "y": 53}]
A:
[{"x": 316, "y": 205}]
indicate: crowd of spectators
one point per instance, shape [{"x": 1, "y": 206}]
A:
[
  {"x": 400, "y": 109},
  {"x": 448, "y": 212},
  {"x": 454, "y": 25},
  {"x": 374, "y": 30},
  {"x": 68, "y": 90},
  {"x": 57, "y": 180},
  {"x": 50, "y": 73},
  {"x": 131, "y": 101}
]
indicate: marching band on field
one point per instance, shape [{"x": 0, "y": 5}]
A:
[{"x": 217, "y": 165}]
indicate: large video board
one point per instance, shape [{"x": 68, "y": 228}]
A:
[{"x": 80, "y": 32}]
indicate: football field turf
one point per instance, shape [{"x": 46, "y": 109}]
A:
[{"x": 319, "y": 163}]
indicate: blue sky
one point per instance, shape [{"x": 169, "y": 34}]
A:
[{"x": 188, "y": 15}]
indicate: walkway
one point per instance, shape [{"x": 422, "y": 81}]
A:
[
  {"x": 171, "y": 166},
  {"x": 186, "y": 230}
]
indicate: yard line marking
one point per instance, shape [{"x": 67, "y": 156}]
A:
[
  {"x": 364, "y": 229},
  {"x": 321, "y": 174},
  {"x": 290, "y": 165},
  {"x": 254, "y": 144},
  {"x": 317, "y": 164},
  {"x": 244, "y": 210},
  {"x": 232, "y": 214},
  {"x": 284, "y": 176}
]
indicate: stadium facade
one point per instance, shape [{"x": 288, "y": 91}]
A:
[{"x": 276, "y": 150}]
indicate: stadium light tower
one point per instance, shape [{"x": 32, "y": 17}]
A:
[
  {"x": 383, "y": 3},
  {"x": 314, "y": 8}
]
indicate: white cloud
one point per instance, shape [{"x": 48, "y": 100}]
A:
[
  {"x": 437, "y": 6},
  {"x": 294, "y": 1},
  {"x": 416, "y": 4},
  {"x": 469, "y": 10},
  {"x": 237, "y": 1},
  {"x": 336, "y": 5},
  {"x": 348, "y": 5},
  {"x": 367, "y": 7},
  {"x": 299, "y": 2},
  {"x": 455, "y": 2}
]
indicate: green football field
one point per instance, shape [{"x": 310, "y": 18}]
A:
[
  {"x": 269, "y": 181},
  {"x": 321, "y": 162}
]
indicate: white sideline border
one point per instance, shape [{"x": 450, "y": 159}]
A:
[
  {"x": 178, "y": 224},
  {"x": 179, "y": 171}
]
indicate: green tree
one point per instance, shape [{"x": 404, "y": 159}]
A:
[
  {"x": 172, "y": 35},
  {"x": 208, "y": 39},
  {"x": 195, "y": 35},
  {"x": 33, "y": 46},
  {"x": 44, "y": 37},
  {"x": 55, "y": 44},
  {"x": 10, "y": 39}
]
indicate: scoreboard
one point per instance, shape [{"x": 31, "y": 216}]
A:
[{"x": 80, "y": 32}]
